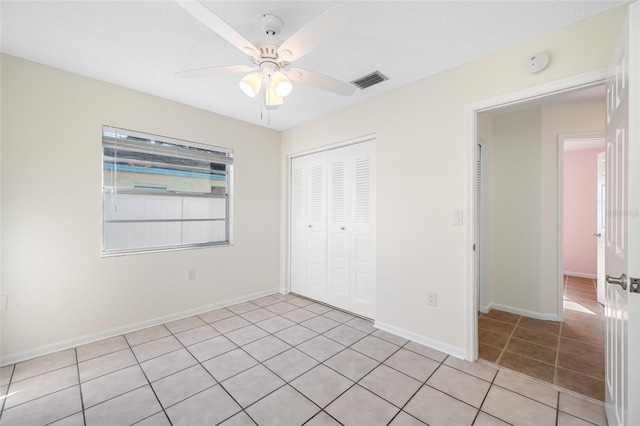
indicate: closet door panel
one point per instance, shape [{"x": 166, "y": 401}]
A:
[
  {"x": 337, "y": 222},
  {"x": 299, "y": 226},
  {"x": 317, "y": 226},
  {"x": 363, "y": 233}
]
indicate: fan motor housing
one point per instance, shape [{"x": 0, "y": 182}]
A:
[{"x": 268, "y": 51}]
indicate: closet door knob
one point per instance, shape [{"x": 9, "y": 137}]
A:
[{"x": 343, "y": 228}]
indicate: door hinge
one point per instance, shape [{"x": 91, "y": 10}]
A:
[
  {"x": 634, "y": 286},
  {"x": 474, "y": 247}
]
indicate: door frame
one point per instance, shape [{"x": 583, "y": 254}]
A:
[
  {"x": 480, "y": 222},
  {"x": 579, "y": 81}
]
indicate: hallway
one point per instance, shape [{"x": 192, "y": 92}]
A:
[{"x": 568, "y": 354}]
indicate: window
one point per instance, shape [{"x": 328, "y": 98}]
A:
[{"x": 163, "y": 194}]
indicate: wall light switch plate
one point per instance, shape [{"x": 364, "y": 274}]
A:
[
  {"x": 431, "y": 298},
  {"x": 457, "y": 217},
  {"x": 191, "y": 274}
]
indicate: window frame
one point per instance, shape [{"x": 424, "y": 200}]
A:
[{"x": 166, "y": 146}]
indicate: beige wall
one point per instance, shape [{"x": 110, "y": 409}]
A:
[
  {"x": 514, "y": 187},
  {"x": 424, "y": 170},
  {"x": 59, "y": 288}
]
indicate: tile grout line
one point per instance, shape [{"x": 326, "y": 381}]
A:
[
  {"x": 6, "y": 396},
  {"x": 555, "y": 367},
  {"x": 84, "y": 417},
  {"x": 557, "y": 408},
  {"x": 504, "y": 349},
  {"x": 243, "y": 409},
  {"x": 147, "y": 378},
  {"x": 329, "y": 367},
  {"x": 288, "y": 382},
  {"x": 485, "y": 397},
  {"x": 323, "y": 362},
  {"x": 592, "y": 299},
  {"x": 424, "y": 383},
  {"x": 321, "y": 409},
  {"x": 41, "y": 397},
  {"x": 218, "y": 383}
]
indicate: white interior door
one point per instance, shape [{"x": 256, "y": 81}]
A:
[
  {"x": 299, "y": 226},
  {"x": 623, "y": 228},
  {"x": 317, "y": 226},
  {"x": 333, "y": 232},
  {"x": 600, "y": 231},
  {"x": 362, "y": 234},
  {"x": 338, "y": 191}
]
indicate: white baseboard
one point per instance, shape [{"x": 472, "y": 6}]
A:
[
  {"x": 524, "y": 312},
  {"x": 580, "y": 275},
  {"x": 419, "y": 338},
  {"x": 90, "y": 338}
]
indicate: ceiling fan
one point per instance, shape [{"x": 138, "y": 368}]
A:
[{"x": 271, "y": 57}]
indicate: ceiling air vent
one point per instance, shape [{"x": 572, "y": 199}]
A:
[{"x": 369, "y": 80}]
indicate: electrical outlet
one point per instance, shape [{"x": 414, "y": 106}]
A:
[
  {"x": 191, "y": 274},
  {"x": 431, "y": 298}
]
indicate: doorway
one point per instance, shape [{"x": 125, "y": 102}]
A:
[{"x": 526, "y": 333}]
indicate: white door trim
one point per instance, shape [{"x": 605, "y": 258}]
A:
[
  {"x": 336, "y": 145},
  {"x": 480, "y": 239},
  {"x": 579, "y": 81}
]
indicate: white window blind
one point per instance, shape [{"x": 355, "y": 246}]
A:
[{"x": 161, "y": 193}]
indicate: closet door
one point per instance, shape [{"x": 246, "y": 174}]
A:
[
  {"x": 362, "y": 234},
  {"x": 333, "y": 240},
  {"x": 317, "y": 226},
  {"x": 299, "y": 225},
  {"x": 337, "y": 228}
]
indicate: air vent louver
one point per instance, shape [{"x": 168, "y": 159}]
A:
[{"x": 369, "y": 80}]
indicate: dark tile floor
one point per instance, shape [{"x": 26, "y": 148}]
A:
[{"x": 568, "y": 354}]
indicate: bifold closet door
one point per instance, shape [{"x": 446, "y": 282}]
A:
[
  {"x": 333, "y": 243},
  {"x": 299, "y": 225},
  {"x": 362, "y": 229},
  {"x": 338, "y": 168},
  {"x": 309, "y": 226}
]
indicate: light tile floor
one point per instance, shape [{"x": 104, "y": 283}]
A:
[{"x": 277, "y": 360}]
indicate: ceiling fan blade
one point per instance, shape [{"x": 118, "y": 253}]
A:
[
  {"x": 211, "y": 71},
  {"x": 215, "y": 23},
  {"x": 316, "y": 32},
  {"x": 320, "y": 81}
]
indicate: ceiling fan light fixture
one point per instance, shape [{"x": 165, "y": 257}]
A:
[
  {"x": 251, "y": 84},
  {"x": 281, "y": 84},
  {"x": 271, "y": 98}
]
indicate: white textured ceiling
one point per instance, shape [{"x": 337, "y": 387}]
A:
[{"x": 142, "y": 44}]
